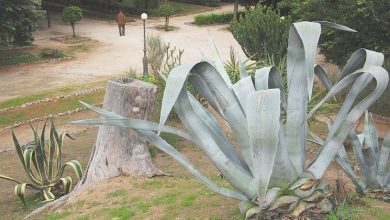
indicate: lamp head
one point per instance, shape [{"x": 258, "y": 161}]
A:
[{"x": 144, "y": 16}]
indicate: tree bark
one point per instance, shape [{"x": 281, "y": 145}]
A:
[
  {"x": 74, "y": 34},
  {"x": 120, "y": 151},
  {"x": 235, "y": 10}
]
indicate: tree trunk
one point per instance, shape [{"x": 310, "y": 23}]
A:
[
  {"x": 235, "y": 12},
  {"x": 166, "y": 23},
  {"x": 74, "y": 34},
  {"x": 48, "y": 18},
  {"x": 120, "y": 151}
]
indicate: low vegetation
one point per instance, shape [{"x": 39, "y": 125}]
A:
[
  {"x": 45, "y": 54},
  {"x": 214, "y": 18}
]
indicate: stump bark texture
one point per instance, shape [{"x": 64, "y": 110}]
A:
[{"x": 120, "y": 151}]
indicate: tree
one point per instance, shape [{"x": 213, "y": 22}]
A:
[
  {"x": 72, "y": 14},
  {"x": 19, "y": 19},
  {"x": 166, "y": 10}
]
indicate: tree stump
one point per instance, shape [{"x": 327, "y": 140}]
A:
[
  {"x": 120, "y": 151},
  {"x": 117, "y": 151}
]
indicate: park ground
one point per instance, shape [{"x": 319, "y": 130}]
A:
[{"x": 100, "y": 55}]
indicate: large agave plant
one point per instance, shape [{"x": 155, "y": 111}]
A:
[
  {"x": 42, "y": 163},
  {"x": 269, "y": 171}
]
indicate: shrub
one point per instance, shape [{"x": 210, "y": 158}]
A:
[
  {"x": 212, "y": 3},
  {"x": 19, "y": 19},
  {"x": 262, "y": 32},
  {"x": 71, "y": 15},
  {"x": 214, "y": 18},
  {"x": 166, "y": 10},
  {"x": 155, "y": 49}
]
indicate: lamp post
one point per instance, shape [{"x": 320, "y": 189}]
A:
[{"x": 144, "y": 16}]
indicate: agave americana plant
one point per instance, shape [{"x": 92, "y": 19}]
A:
[
  {"x": 42, "y": 162},
  {"x": 268, "y": 172},
  {"x": 372, "y": 160}
]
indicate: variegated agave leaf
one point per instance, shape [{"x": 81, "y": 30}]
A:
[{"x": 270, "y": 161}]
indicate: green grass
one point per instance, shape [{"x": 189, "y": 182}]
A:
[
  {"x": 166, "y": 199},
  {"x": 39, "y": 96},
  {"x": 19, "y": 59},
  {"x": 83, "y": 48},
  {"x": 83, "y": 218},
  {"x": 188, "y": 200},
  {"x": 117, "y": 193},
  {"x": 44, "y": 109},
  {"x": 143, "y": 206},
  {"x": 121, "y": 213},
  {"x": 213, "y": 18},
  {"x": 25, "y": 58}
]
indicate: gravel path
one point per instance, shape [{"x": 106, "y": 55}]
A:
[{"x": 114, "y": 56}]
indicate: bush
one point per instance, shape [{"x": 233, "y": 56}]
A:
[
  {"x": 262, "y": 32},
  {"x": 19, "y": 19},
  {"x": 370, "y": 18},
  {"x": 214, "y": 18},
  {"x": 71, "y": 15},
  {"x": 212, "y": 3}
]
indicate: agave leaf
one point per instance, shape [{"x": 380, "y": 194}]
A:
[
  {"x": 20, "y": 191},
  {"x": 350, "y": 173},
  {"x": 210, "y": 143},
  {"x": 218, "y": 62},
  {"x": 263, "y": 112},
  {"x": 252, "y": 212},
  {"x": 175, "y": 82},
  {"x": 39, "y": 158},
  {"x": 242, "y": 69},
  {"x": 28, "y": 158},
  {"x": 135, "y": 124},
  {"x": 18, "y": 150},
  {"x": 318, "y": 167},
  {"x": 357, "y": 148},
  {"x": 323, "y": 77},
  {"x": 283, "y": 172},
  {"x": 285, "y": 204},
  {"x": 372, "y": 136},
  {"x": 242, "y": 88},
  {"x": 52, "y": 150},
  {"x": 42, "y": 144},
  {"x": 49, "y": 196},
  {"x": 164, "y": 146},
  {"x": 302, "y": 43},
  {"x": 212, "y": 123},
  {"x": 369, "y": 150},
  {"x": 269, "y": 77},
  {"x": 206, "y": 80},
  {"x": 9, "y": 178},
  {"x": 67, "y": 184},
  {"x": 76, "y": 167},
  {"x": 384, "y": 156},
  {"x": 340, "y": 27},
  {"x": 359, "y": 59}
]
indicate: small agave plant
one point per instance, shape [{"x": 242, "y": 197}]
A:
[
  {"x": 268, "y": 172},
  {"x": 42, "y": 162},
  {"x": 372, "y": 160}
]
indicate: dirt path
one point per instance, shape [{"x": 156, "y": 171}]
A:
[{"x": 115, "y": 55}]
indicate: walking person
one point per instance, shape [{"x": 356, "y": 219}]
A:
[{"x": 121, "y": 20}]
